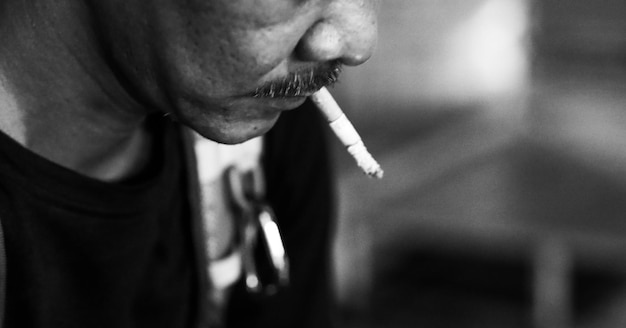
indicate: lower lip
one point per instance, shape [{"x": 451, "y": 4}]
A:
[{"x": 285, "y": 103}]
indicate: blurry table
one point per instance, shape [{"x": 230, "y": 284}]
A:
[
  {"x": 507, "y": 198},
  {"x": 522, "y": 200}
]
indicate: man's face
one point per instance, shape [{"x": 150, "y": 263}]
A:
[{"x": 227, "y": 68}]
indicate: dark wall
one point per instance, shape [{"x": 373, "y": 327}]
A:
[{"x": 581, "y": 30}]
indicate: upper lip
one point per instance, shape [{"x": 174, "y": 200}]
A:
[{"x": 300, "y": 83}]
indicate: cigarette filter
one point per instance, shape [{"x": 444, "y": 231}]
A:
[{"x": 347, "y": 134}]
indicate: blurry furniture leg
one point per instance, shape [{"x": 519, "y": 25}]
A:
[
  {"x": 552, "y": 284},
  {"x": 353, "y": 265}
]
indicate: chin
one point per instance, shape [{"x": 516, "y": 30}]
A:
[
  {"x": 233, "y": 120},
  {"x": 234, "y": 132}
]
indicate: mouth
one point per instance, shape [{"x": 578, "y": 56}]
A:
[
  {"x": 282, "y": 103},
  {"x": 301, "y": 83}
]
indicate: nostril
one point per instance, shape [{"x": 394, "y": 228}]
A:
[
  {"x": 361, "y": 43},
  {"x": 356, "y": 58},
  {"x": 321, "y": 43},
  {"x": 350, "y": 42}
]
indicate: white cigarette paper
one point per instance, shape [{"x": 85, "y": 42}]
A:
[{"x": 345, "y": 131}]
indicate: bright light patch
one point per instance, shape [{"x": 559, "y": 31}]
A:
[{"x": 490, "y": 47}]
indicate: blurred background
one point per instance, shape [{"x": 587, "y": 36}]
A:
[{"x": 501, "y": 126}]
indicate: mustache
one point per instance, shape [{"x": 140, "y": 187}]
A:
[{"x": 301, "y": 83}]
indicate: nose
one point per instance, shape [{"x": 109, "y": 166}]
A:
[{"x": 347, "y": 32}]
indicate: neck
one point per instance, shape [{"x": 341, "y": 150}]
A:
[{"x": 58, "y": 96}]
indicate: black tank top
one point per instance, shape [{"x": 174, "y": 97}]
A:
[{"x": 86, "y": 253}]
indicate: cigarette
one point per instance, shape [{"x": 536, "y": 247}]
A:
[{"x": 346, "y": 133}]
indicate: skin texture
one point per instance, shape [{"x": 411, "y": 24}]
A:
[{"x": 77, "y": 77}]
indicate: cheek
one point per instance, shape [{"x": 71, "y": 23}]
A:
[
  {"x": 265, "y": 50},
  {"x": 243, "y": 58},
  {"x": 225, "y": 55},
  {"x": 257, "y": 13},
  {"x": 221, "y": 49}
]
